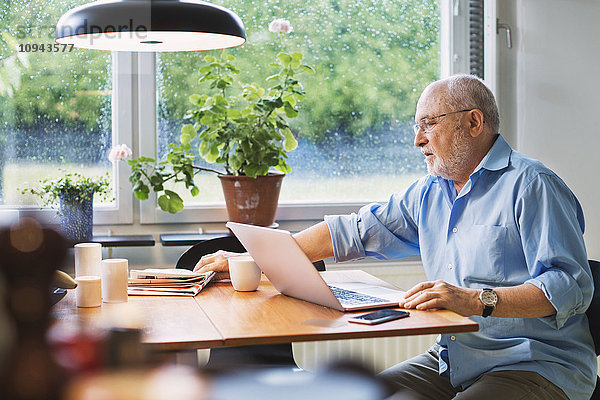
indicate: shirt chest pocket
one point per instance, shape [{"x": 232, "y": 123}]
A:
[{"x": 482, "y": 254}]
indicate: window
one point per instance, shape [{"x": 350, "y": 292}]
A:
[
  {"x": 64, "y": 109},
  {"x": 56, "y": 106},
  {"x": 354, "y": 130}
]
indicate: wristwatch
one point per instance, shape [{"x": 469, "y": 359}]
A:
[{"x": 489, "y": 299}]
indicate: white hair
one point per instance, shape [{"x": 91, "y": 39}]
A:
[{"x": 469, "y": 91}]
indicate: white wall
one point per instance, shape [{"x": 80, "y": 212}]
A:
[{"x": 549, "y": 93}]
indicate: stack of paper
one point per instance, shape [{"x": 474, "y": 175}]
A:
[{"x": 167, "y": 282}]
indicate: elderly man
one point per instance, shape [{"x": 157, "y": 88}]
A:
[{"x": 501, "y": 239}]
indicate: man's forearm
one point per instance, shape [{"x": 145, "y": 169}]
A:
[
  {"x": 315, "y": 242},
  {"x": 523, "y": 301}
]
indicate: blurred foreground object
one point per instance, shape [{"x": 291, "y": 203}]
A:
[
  {"x": 344, "y": 380},
  {"x": 348, "y": 382},
  {"x": 63, "y": 280},
  {"x": 164, "y": 383},
  {"x": 30, "y": 256}
]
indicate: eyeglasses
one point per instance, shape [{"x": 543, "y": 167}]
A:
[{"x": 426, "y": 125}]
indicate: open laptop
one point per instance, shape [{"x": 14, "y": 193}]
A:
[{"x": 290, "y": 271}]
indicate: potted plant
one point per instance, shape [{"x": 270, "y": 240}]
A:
[
  {"x": 246, "y": 132},
  {"x": 73, "y": 193}
]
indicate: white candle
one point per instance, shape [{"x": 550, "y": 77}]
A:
[
  {"x": 87, "y": 259},
  {"x": 114, "y": 280},
  {"x": 88, "y": 292}
]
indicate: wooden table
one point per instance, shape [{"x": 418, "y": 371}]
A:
[
  {"x": 221, "y": 317},
  {"x": 169, "y": 323}
]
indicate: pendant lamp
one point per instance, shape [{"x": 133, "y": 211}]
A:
[{"x": 150, "y": 26}]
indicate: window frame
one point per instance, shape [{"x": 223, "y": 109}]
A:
[
  {"x": 122, "y": 120},
  {"x": 454, "y": 42}
]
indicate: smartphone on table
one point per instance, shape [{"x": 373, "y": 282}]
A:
[{"x": 378, "y": 317}]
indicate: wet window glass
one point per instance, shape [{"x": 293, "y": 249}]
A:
[
  {"x": 372, "y": 60},
  {"x": 55, "y": 101}
]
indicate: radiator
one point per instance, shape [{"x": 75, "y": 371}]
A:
[{"x": 374, "y": 354}]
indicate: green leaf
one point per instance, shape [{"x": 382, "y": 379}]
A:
[
  {"x": 222, "y": 83},
  {"x": 290, "y": 99},
  {"x": 307, "y": 68},
  {"x": 220, "y": 100},
  {"x": 188, "y": 129},
  {"x": 289, "y": 141},
  {"x": 185, "y": 138},
  {"x": 206, "y": 77},
  {"x": 170, "y": 202},
  {"x": 140, "y": 190},
  {"x": 206, "y": 120},
  {"x": 209, "y": 59},
  {"x": 212, "y": 154},
  {"x": 236, "y": 161},
  {"x": 296, "y": 56},
  {"x": 228, "y": 57},
  {"x": 195, "y": 99},
  {"x": 234, "y": 113},
  {"x": 286, "y": 169},
  {"x": 251, "y": 170},
  {"x": 155, "y": 180},
  {"x": 285, "y": 59},
  {"x": 290, "y": 112},
  {"x": 140, "y": 195},
  {"x": 141, "y": 187},
  {"x": 203, "y": 148}
]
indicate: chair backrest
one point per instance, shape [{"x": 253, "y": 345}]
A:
[
  {"x": 190, "y": 258},
  {"x": 593, "y": 312}
]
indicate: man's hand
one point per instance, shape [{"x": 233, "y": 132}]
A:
[
  {"x": 216, "y": 262},
  {"x": 442, "y": 295}
]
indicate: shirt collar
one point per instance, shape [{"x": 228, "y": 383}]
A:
[{"x": 497, "y": 157}]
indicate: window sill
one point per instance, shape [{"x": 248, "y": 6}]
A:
[
  {"x": 125, "y": 240},
  {"x": 188, "y": 239}
]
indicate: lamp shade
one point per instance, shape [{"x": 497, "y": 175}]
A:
[{"x": 150, "y": 25}]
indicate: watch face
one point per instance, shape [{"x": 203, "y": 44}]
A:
[{"x": 489, "y": 298}]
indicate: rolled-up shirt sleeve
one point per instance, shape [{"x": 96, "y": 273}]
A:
[
  {"x": 552, "y": 235},
  {"x": 384, "y": 231},
  {"x": 345, "y": 237}
]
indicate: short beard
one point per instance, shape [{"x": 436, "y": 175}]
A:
[{"x": 461, "y": 151}]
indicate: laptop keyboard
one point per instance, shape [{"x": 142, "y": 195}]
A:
[{"x": 350, "y": 297}]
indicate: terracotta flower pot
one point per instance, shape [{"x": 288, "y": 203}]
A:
[{"x": 252, "y": 200}]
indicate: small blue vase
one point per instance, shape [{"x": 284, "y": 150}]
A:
[{"x": 77, "y": 218}]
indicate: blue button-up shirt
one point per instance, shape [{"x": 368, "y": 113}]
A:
[{"x": 513, "y": 222}]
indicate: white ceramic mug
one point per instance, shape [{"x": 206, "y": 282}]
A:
[
  {"x": 88, "y": 292},
  {"x": 244, "y": 273}
]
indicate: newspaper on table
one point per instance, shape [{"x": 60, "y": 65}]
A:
[{"x": 166, "y": 282}]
